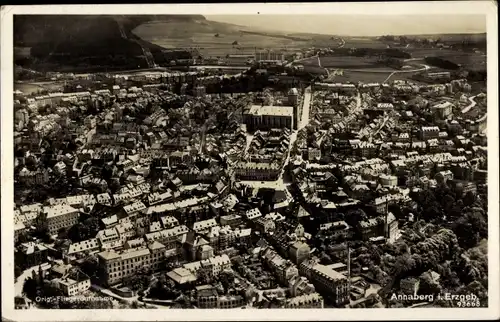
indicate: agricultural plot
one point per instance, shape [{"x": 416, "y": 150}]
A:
[
  {"x": 469, "y": 61},
  {"x": 458, "y": 57},
  {"x": 348, "y": 62},
  {"x": 365, "y": 77},
  {"x": 361, "y": 42},
  {"x": 424, "y": 52},
  {"x": 212, "y": 39},
  {"x": 34, "y": 88}
]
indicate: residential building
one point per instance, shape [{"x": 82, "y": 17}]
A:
[
  {"x": 326, "y": 281},
  {"x": 207, "y": 298},
  {"x": 443, "y": 110},
  {"x": 74, "y": 282},
  {"x": 115, "y": 266},
  {"x": 30, "y": 254},
  {"x": 306, "y": 301},
  {"x": 84, "y": 247},
  {"x": 313, "y": 154},
  {"x": 299, "y": 252},
  {"x": 299, "y": 285},
  {"x": 283, "y": 269},
  {"x": 212, "y": 266},
  {"x": 264, "y": 225},
  {"x": 429, "y": 132},
  {"x": 19, "y": 228},
  {"x": 257, "y": 171},
  {"x": 60, "y": 216}
]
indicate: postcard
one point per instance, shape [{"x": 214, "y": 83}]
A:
[{"x": 246, "y": 161}]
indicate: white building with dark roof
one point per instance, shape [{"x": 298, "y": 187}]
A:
[
  {"x": 204, "y": 225},
  {"x": 268, "y": 117},
  {"x": 85, "y": 246},
  {"x": 60, "y": 216}
]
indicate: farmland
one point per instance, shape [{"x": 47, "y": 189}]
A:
[
  {"x": 347, "y": 62},
  {"x": 33, "y": 88},
  {"x": 350, "y": 62},
  {"x": 466, "y": 59},
  {"x": 363, "y": 42},
  {"x": 215, "y": 39}
]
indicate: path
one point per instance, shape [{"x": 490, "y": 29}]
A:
[
  {"x": 471, "y": 105},
  {"x": 203, "y": 137},
  {"x": 304, "y": 120},
  {"x": 424, "y": 68},
  {"x": 306, "y": 105},
  {"x": 147, "y": 53}
]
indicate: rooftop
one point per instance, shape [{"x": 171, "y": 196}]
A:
[{"x": 271, "y": 110}]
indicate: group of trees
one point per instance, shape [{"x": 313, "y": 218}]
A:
[
  {"x": 36, "y": 287},
  {"x": 84, "y": 230},
  {"x": 441, "y": 63},
  {"x": 164, "y": 289},
  {"x": 466, "y": 216},
  {"x": 458, "y": 254},
  {"x": 139, "y": 281},
  {"x": 362, "y": 52}
]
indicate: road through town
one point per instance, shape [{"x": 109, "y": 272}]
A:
[{"x": 470, "y": 106}]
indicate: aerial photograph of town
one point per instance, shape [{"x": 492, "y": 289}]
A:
[{"x": 243, "y": 162}]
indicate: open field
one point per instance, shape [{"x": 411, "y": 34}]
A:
[
  {"x": 363, "y": 42},
  {"x": 343, "y": 62},
  {"x": 212, "y": 38},
  {"x": 348, "y": 62},
  {"x": 375, "y": 76},
  {"x": 365, "y": 77},
  {"x": 469, "y": 61},
  {"x": 33, "y": 88},
  {"x": 466, "y": 59}
]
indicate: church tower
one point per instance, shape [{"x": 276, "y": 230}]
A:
[{"x": 293, "y": 100}]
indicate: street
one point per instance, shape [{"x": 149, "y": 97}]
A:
[
  {"x": 471, "y": 105},
  {"x": 423, "y": 68}
]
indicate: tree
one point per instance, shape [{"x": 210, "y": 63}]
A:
[
  {"x": 428, "y": 285},
  {"x": 30, "y": 288},
  {"x": 470, "y": 229},
  {"x": 90, "y": 266},
  {"x": 469, "y": 198},
  {"x": 325, "y": 259},
  {"x": 226, "y": 279},
  {"x": 23, "y": 237},
  {"x": 17, "y": 271},
  {"x": 139, "y": 281}
]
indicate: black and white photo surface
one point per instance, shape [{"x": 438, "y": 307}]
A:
[{"x": 250, "y": 156}]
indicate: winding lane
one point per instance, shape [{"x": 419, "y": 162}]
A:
[{"x": 470, "y": 106}]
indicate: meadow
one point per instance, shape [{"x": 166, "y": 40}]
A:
[
  {"x": 363, "y": 42},
  {"x": 365, "y": 77},
  {"x": 466, "y": 59},
  {"x": 34, "y": 88},
  {"x": 212, "y": 38}
]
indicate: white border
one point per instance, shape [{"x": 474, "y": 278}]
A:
[{"x": 487, "y": 8}]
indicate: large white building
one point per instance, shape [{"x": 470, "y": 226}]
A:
[
  {"x": 443, "y": 110},
  {"x": 115, "y": 266},
  {"x": 269, "y": 56},
  {"x": 257, "y": 171},
  {"x": 268, "y": 117},
  {"x": 326, "y": 280},
  {"x": 60, "y": 216},
  {"x": 74, "y": 282}
]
